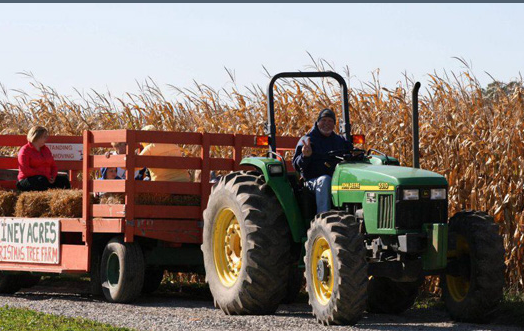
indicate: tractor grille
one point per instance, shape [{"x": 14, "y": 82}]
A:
[
  {"x": 385, "y": 211},
  {"x": 410, "y": 215}
]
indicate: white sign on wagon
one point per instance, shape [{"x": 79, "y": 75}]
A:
[
  {"x": 30, "y": 240},
  {"x": 66, "y": 152}
]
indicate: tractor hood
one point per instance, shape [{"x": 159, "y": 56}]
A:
[{"x": 368, "y": 174}]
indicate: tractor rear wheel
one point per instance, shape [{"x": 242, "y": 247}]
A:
[
  {"x": 386, "y": 296},
  {"x": 336, "y": 269},
  {"x": 246, "y": 245},
  {"x": 472, "y": 290}
]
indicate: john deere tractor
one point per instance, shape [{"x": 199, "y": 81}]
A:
[{"x": 388, "y": 229}]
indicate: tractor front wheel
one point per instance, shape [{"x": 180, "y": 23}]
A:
[
  {"x": 336, "y": 269},
  {"x": 474, "y": 280},
  {"x": 246, "y": 245}
]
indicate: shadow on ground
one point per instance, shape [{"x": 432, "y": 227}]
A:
[{"x": 434, "y": 317}]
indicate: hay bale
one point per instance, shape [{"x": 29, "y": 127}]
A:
[
  {"x": 52, "y": 203},
  {"x": 7, "y": 202},
  {"x": 166, "y": 199},
  {"x": 65, "y": 203},
  {"x": 112, "y": 199},
  {"x": 68, "y": 203},
  {"x": 155, "y": 199},
  {"x": 185, "y": 200},
  {"x": 32, "y": 204}
]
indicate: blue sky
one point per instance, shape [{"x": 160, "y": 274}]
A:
[{"x": 109, "y": 46}]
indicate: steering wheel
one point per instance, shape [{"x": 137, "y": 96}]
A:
[
  {"x": 347, "y": 155},
  {"x": 338, "y": 152}
]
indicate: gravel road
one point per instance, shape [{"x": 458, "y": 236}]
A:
[{"x": 166, "y": 312}]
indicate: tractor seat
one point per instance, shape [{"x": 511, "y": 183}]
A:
[{"x": 305, "y": 197}]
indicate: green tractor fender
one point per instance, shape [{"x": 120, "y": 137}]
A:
[{"x": 279, "y": 183}]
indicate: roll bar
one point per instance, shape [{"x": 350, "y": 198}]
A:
[{"x": 324, "y": 74}]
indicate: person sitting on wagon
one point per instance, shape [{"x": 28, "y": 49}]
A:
[
  {"x": 37, "y": 169},
  {"x": 109, "y": 173},
  {"x": 118, "y": 148},
  {"x": 312, "y": 161},
  {"x": 156, "y": 149}
]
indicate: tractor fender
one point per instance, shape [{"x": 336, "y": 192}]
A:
[{"x": 284, "y": 193}]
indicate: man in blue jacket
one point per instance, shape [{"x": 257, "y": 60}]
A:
[{"x": 312, "y": 160}]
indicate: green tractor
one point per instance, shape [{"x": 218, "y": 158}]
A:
[{"x": 387, "y": 230}]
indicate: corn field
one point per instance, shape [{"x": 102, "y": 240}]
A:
[{"x": 472, "y": 136}]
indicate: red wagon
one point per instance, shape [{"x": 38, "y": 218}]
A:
[{"x": 124, "y": 247}]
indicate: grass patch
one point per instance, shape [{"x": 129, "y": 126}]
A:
[
  {"x": 25, "y": 319},
  {"x": 428, "y": 300},
  {"x": 185, "y": 285},
  {"x": 511, "y": 310}
]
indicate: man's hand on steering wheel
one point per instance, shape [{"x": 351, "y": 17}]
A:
[{"x": 346, "y": 154}]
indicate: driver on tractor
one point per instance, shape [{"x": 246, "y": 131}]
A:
[{"x": 312, "y": 160}]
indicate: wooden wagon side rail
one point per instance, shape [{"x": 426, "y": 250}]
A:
[
  {"x": 170, "y": 223},
  {"x": 130, "y": 210}
]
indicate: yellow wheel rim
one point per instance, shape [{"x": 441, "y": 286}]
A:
[
  {"x": 227, "y": 247},
  {"x": 322, "y": 270},
  {"x": 458, "y": 287}
]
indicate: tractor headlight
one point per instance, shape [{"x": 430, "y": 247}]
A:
[
  {"x": 438, "y": 193},
  {"x": 411, "y": 194},
  {"x": 275, "y": 169}
]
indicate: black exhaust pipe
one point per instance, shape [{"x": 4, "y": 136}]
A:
[{"x": 416, "y": 154}]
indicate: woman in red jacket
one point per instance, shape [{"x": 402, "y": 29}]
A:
[{"x": 37, "y": 168}]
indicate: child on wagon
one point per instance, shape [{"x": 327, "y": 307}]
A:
[
  {"x": 107, "y": 173},
  {"x": 118, "y": 148}
]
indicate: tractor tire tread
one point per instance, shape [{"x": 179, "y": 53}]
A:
[
  {"x": 486, "y": 247},
  {"x": 347, "y": 305},
  {"x": 261, "y": 284}
]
